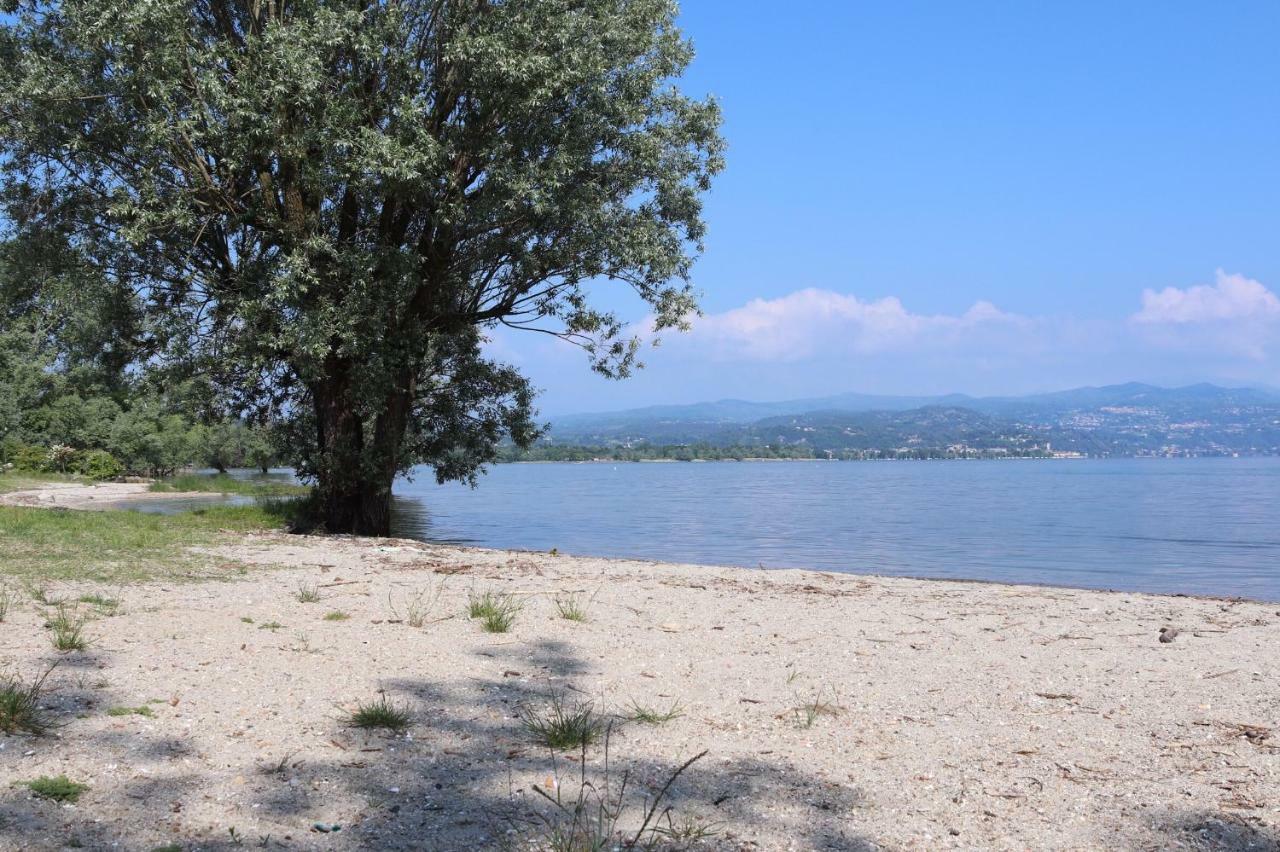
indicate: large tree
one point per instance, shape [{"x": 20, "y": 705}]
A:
[{"x": 324, "y": 204}]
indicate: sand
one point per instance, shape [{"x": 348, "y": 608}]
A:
[{"x": 942, "y": 715}]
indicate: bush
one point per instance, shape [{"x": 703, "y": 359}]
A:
[
  {"x": 99, "y": 465},
  {"x": 30, "y": 458}
]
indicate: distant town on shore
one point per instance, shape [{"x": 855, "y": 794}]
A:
[{"x": 1128, "y": 420}]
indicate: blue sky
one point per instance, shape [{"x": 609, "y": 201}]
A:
[{"x": 977, "y": 197}]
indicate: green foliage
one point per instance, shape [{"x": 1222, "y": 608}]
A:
[
  {"x": 30, "y": 459},
  {"x": 58, "y": 788},
  {"x": 99, "y": 465},
  {"x": 335, "y": 244}
]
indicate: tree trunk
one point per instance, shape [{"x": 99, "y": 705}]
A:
[{"x": 354, "y": 472}]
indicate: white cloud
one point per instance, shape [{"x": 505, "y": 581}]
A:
[
  {"x": 1233, "y": 316},
  {"x": 813, "y": 321},
  {"x": 1230, "y": 297}
]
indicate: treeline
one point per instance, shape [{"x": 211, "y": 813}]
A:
[
  {"x": 74, "y": 394},
  {"x": 710, "y": 452}
]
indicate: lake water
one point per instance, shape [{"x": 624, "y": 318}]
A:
[{"x": 1193, "y": 526}]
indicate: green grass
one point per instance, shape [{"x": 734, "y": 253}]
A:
[
  {"x": 336, "y": 615},
  {"x": 497, "y": 612},
  {"x": 308, "y": 593},
  {"x": 273, "y": 626},
  {"x": 143, "y": 710},
  {"x": 118, "y": 547},
  {"x": 67, "y": 626},
  {"x": 572, "y": 607},
  {"x": 646, "y": 715},
  {"x": 25, "y": 481},
  {"x": 221, "y": 483},
  {"x": 105, "y": 605},
  {"x": 58, "y": 788},
  {"x": 561, "y": 725},
  {"x": 379, "y": 714},
  {"x": 20, "y": 705}
]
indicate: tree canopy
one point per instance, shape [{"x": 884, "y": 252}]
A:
[{"x": 319, "y": 208}]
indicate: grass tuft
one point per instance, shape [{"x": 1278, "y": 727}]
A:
[
  {"x": 808, "y": 712},
  {"x": 308, "y": 593},
  {"x": 59, "y": 788},
  {"x": 646, "y": 715},
  {"x": 380, "y": 714},
  {"x": 336, "y": 615},
  {"x": 497, "y": 612},
  {"x": 273, "y": 626},
  {"x": 562, "y": 725},
  {"x": 67, "y": 626},
  {"x": 419, "y": 606},
  {"x": 20, "y": 705},
  {"x": 572, "y": 607},
  {"x": 6, "y": 601},
  {"x": 105, "y": 605}
]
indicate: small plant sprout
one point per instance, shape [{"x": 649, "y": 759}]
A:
[
  {"x": 572, "y": 607},
  {"x": 808, "y": 712},
  {"x": 591, "y": 820},
  {"x": 308, "y": 593},
  {"x": 380, "y": 714},
  {"x": 646, "y": 715},
  {"x": 336, "y": 615},
  {"x": 497, "y": 612},
  {"x": 419, "y": 605},
  {"x": 20, "y": 705},
  {"x": 562, "y": 725},
  {"x": 6, "y": 600},
  {"x": 40, "y": 594},
  {"x": 58, "y": 788},
  {"x": 105, "y": 605},
  {"x": 273, "y": 626},
  {"x": 67, "y": 626}
]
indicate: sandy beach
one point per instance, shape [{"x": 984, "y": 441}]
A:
[{"x": 836, "y": 711}]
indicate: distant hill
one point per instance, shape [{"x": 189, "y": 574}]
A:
[{"x": 1127, "y": 419}]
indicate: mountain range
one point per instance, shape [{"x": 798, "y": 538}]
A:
[{"x": 1127, "y": 419}]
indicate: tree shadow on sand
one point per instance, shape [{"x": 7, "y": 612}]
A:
[
  {"x": 464, "y": 777},
  {"x": 1207, "y": 831}
]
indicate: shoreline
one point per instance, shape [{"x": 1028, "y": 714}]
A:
[
  {"x": 838, "y": 711},
  {"x": 109, "y": 496}
]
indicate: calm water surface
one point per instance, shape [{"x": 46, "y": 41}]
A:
[{"x": 1196, "y": 526}]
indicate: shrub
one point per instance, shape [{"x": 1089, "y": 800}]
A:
[
  {"x": 59, "y": 788},
  {"x": 99, "y": 465},
  {"x": 30, "y": 458}
]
